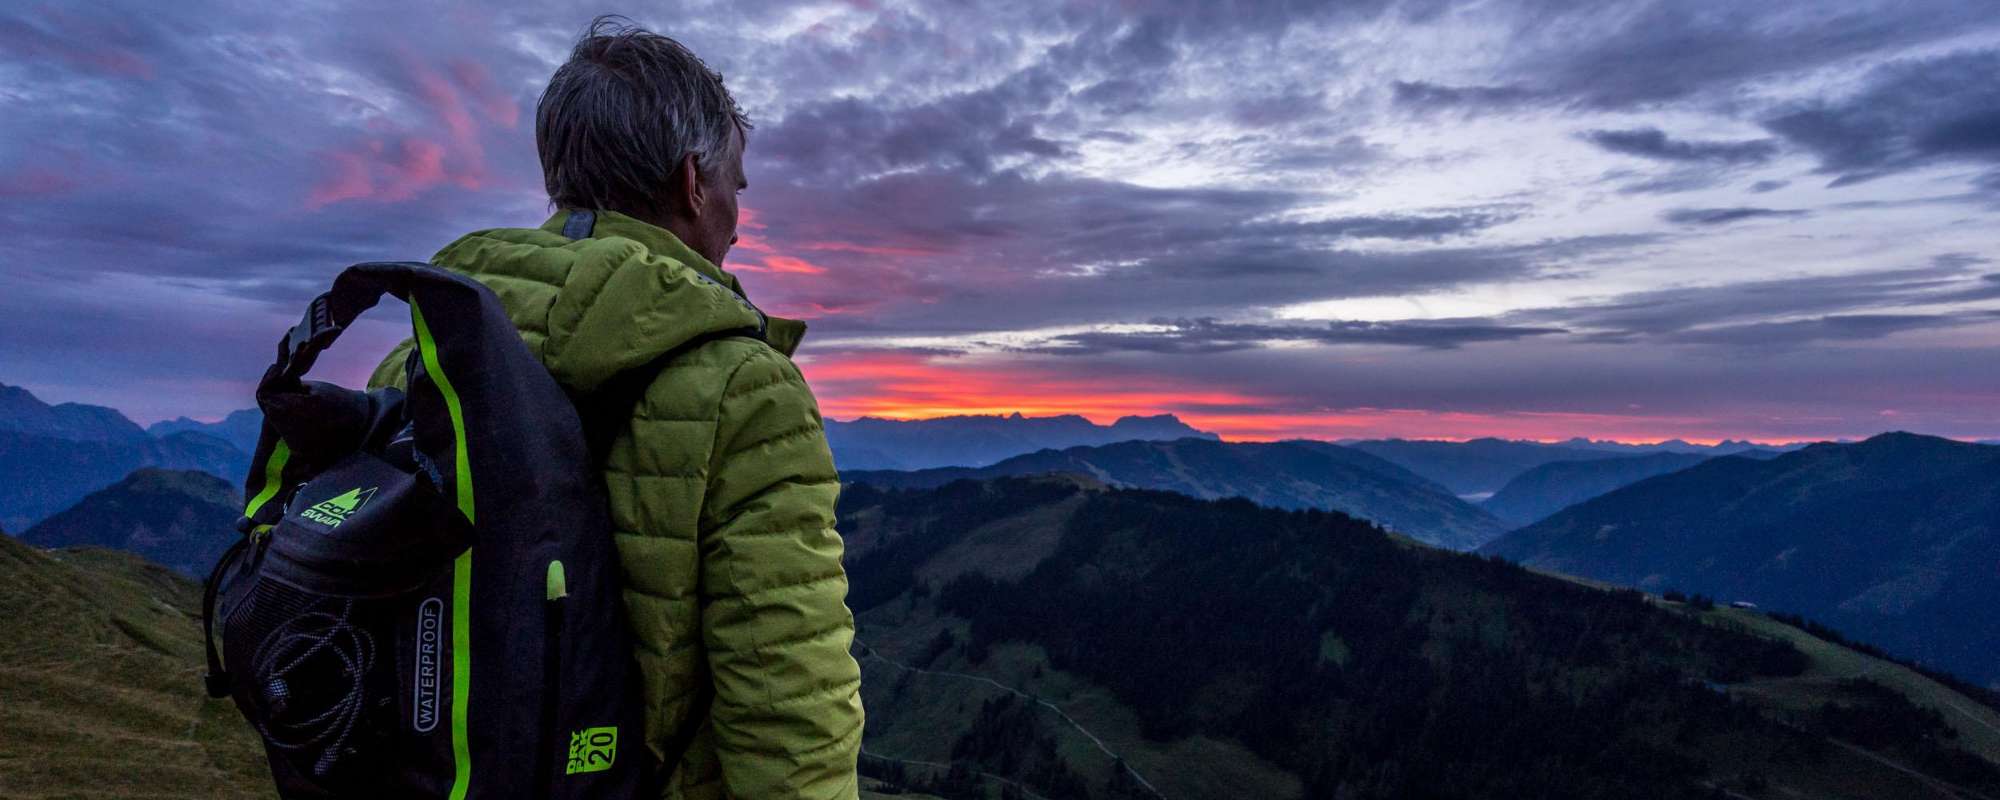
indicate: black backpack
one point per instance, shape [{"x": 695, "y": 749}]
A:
[{"x": 425, "y": 602}]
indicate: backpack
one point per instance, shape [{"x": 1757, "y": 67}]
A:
[{"x": 425, "y": 600}]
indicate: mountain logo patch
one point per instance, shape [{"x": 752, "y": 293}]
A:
[{"x": 335, "y": 510}]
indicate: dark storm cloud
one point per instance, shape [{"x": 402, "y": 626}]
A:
[
  {"x": 1909, "y": 114},
  {"x": 1724, "y": 216},
  {"x": 1655, "y": 144},
  {"x": 1208, "y": 335}
]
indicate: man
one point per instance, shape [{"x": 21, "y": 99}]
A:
[{"x": 722, "y": 485}]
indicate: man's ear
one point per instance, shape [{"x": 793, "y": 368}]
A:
[{"x": 693, "y": 189}]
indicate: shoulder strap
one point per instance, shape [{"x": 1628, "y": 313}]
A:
[{"x": 607, "y": 410}]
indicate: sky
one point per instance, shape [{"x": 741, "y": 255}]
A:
[{"x": 1521, "y": 218}]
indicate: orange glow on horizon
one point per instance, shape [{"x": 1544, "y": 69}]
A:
[
  {"x": 905, "y": 386},
  {"x": 909, "y": 386}
]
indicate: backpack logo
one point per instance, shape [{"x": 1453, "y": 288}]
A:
[
  {"x": 592, "y": 750},
  {"x": 335, "y": 510},
  {"x": 429, "y": 671}
]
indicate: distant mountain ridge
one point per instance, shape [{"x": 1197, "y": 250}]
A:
[
  {"x": 1482, "y": 466},
  {"x": 23, "y": 413},
  {"x": 1293, "y": 474},
  {"x": 1557, "y": 485},
  {"x": 1894, "y": 541},
  {"x": 51, "y": 456},
  {"x": 866, "y": 442},
  {"x": 979, "y": 440},
  {"x": 239, "y": 428},
  {"x": 1721, "y": 448}
]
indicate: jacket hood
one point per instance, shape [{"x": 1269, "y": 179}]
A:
[{"x": 594, "y": 307}]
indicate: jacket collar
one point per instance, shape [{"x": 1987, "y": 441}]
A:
[{"x": 782, "y": 333}]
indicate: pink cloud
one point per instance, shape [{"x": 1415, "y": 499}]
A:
[
  {"x": 870, "y": 249},
  {"x": 350, "y": 181},
  {"x": 370, "y": 171},
  {"x": 367, "y": 175},
  {"x": 787, "y": 264},
  {"x": 495, "y": 105},
  {"x": 36, "y": 181}
]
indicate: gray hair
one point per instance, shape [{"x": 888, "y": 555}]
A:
[{"x": 622, "y": 113}]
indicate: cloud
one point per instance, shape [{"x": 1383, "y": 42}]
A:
[
  {"x": 1655, "y": 144},
  {"x": 1676, "y": 181},
  {"x": 1850, "y": 306},
  {"x": 1208, "y": 335},
  {"x": 1617, "y": 56},
  {"x": 1629, "y": 55},
  {"x": 1908, "y": 114},
  {"x": 1842, "y": 327},
  {"x": 1725, "y": 216},
  {"x": 1424, "y": 96}
]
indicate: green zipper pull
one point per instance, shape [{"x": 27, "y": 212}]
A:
[{"x": 558, "y": 585}]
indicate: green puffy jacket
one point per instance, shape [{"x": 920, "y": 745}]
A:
[{"x": 722, "y": 490}]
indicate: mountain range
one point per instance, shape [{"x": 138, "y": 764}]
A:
[
  {"x": 1551, "y": 487},
  {"x": 240, "y": 428},
  {"x": 1294, "y": 474},
  {"x": 1894, "y": 540},
  {"x": 1480, "y": 467},
  {"x": 870, "y": 443},
  {"x": 51, "y": 456}
]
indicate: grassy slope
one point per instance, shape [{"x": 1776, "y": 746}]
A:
[
  {"x": 1978, "y": 726},
  {"x": 100, "y": 684}
]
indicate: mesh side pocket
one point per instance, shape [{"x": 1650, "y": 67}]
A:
[{"x": 305, "y": 664}]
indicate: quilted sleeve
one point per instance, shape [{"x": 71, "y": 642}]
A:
[{"x": 787, "y": 708}]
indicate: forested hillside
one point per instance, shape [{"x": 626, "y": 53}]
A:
[
  {"x": 1199, "y": 647},
  {"x": 1894, "y": 541}
]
